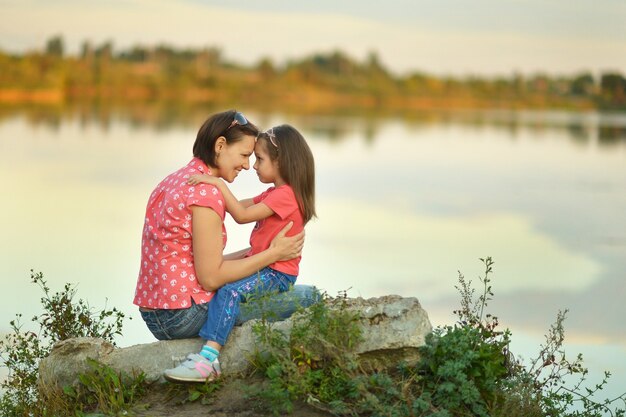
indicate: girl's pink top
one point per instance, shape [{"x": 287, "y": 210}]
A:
[{"x": 283, "y": 203}]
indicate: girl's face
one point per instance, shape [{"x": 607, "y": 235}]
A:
[
  {"x": 265, "y": 168},
  {"x": 231, "y": 159}
]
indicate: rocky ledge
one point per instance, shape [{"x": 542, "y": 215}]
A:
[{"x": 393, "y": 328}]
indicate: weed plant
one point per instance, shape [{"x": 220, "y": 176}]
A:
[
  {"x": 465, "y": 369},
  {"x": 103, "y": 389},
  {"x": 204, "y": 393},
  {"x": 22, "y": 350},
  {"x": 316, "y": 362}
]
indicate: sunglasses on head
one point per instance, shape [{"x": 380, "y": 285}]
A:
[{"x": 239, "y": 119}]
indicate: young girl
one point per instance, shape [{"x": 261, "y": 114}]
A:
[{"x": 284, "y": 159}]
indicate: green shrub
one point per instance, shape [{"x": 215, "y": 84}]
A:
[
  {"x": 21, "y": 350},
  {"x": 105, "y": 390},
  {"x": 316, "y": 363},
  {"x": 465, "y": 369}
]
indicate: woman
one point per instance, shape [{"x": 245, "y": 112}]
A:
[{"x": 174, "y": 283}]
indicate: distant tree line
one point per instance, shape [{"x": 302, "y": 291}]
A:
[{"x": 333, "y": 79}]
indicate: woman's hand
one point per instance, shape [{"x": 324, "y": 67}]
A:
[
  {"x": 203, "y": 178},
  {"x": 287, "y": 247}
]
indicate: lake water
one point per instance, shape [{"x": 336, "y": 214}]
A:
[{"x": 403, "y": 204}]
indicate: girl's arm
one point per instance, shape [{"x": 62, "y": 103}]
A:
[
  {"x": 213, "y": 270},
  {"x": 244, "y": 211}
]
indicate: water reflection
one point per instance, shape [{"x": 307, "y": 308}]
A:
[
  {"x": 581, "y": 127},
  {"x": 404, "y": 202}
]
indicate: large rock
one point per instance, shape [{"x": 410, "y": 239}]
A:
[{"x": 393, "y": 328}]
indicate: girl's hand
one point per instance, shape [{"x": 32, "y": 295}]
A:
[
  {"x": 288, "y": 247},
  {"x": 203, "y": 178}
]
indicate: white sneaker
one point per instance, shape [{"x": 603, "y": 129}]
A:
[{"x": 196, "y": 368}]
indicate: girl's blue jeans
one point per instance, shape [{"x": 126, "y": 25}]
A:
[
  {"x": 188, "y": 322},
  {"x": 224, "y": 306}
]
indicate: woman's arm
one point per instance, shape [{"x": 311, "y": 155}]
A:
[
  {"x": 236, "y": 255},
  {"x": 213, "y": 270},
  {"x": 244, "y": 211}
]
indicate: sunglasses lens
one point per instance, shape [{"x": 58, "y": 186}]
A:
[{"x": 240, "y": 119}]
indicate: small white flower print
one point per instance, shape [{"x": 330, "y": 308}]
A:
[{"x": 173, "y": 283}]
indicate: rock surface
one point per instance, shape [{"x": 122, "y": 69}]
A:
[{"x": 393, "y": 328}]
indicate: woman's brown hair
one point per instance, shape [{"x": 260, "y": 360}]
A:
[{"x": 220, "y": 124}]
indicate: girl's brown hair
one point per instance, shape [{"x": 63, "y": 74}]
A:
[
  {"x": 215, "y": 126},
  {"x": 295, "y": 164}
]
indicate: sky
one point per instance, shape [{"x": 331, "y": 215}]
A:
[{"x": 440, "y": 37}]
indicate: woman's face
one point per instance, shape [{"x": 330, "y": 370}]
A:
[{"x": 231, "y": 159}]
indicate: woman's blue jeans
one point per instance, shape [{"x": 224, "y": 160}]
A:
[{"x": 187, "y": 322}]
